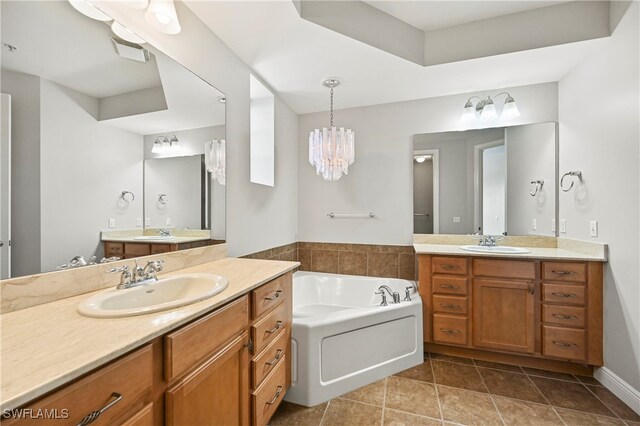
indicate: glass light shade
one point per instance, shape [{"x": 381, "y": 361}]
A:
[
  {"x": 510, "y": 109},
  {"x": 489, "y": 111},
  {"x": 125, "y": 33},
  {"x": 87, "y": 9},
  {"x": 332, "y": 151},
  {"x": 469, "y": 113},
  {"x": 157, "y": 147},
  {"x": 161, "y": 16},
  {"x": 166, "y": 146}
]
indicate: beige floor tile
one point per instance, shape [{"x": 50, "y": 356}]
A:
[
  {"x": 457, "y": 376},
  {"x": 342, "y": 412},
  {"x": 616, "y": 405},
  {"x": 371, "y": 394},
  {"x": 420, "y": 372},
  {"x": 399, "y": 418},
  {"x": 459, "y": 360},
  {"x": 467, "y": 408},
  {"x": 574, "y": 396},
  {"x": 289, "y": 414},
  {"x": 498, "y": 366},
  {"x": 574, "y": 418},
  {"x": 632, "y": 423},
  {"x": 512, "y": 385},
  {"x": 588, "y": 380},
  {"x": 549, "y": 374},
  {"x": 412, "y": 396},
  {"x": 522, "y": 413}
]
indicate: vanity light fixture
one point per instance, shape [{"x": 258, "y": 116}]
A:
[
  {"x": 165, "y": 145},
  {"x": 125, "y": 33},
  {"x": 486, "y": 109},
  {"x": 331, "y": 151},
  {"x": 161, "y": 16},
  {"x": 88, "y": 9}
]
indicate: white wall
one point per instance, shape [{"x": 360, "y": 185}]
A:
[
  {"x": 179, "y": 178},
  {"x": 599, "y": 113},
  {"x": 85, "y": 165},
  {"x": 25, "y": 171},
  {"x": 258, "y": 217},
  {"x": 531, "y": 151}
]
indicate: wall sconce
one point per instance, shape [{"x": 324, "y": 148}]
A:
[
  {"x": 165, "y": 145},
  {"x": 485, "y": 108}
]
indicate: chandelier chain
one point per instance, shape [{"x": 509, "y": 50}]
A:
[{"x": 331, "y": 106}]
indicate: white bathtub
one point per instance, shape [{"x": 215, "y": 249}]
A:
[{"x": 342, "y": 339}]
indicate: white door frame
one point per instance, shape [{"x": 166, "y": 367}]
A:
[
  {"x": 477, "y": 182},
  {"x": 5, "y": 186},
  {"x": 435, "y": 159}
]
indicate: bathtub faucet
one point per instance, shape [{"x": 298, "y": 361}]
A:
[{"x": 394, "y": 295}]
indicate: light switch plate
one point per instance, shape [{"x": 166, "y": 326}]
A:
[
  {"x": 563, "y": 226},
  {"x": 168, "y": 221},
  {"x": 456, "y": 219},
  {"x": 147, "y": 221},
  {"x": 112, "y": 223},
  {"x": 534, "y": 224},
  {"x": 593, "y": 228},
  {"x": 139, "y": 222},
  {"x": 553, "y": 225}
]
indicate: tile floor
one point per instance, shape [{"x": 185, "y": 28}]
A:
[{"x": 448, "y": 390}]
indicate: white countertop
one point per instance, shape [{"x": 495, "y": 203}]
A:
[
  {"x": 46, "y": 346},
  {"x": 535, "y": 253}
]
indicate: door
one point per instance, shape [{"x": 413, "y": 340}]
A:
[
  {"x": 494, "y": 179},
  {"x": 5, "y": 186},
  {"x": 216, "y": 393},
  {"x": 503, "y": 315}
]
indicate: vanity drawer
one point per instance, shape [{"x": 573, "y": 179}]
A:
[
  {"x": 163, "y": 248},
  {"x": 563, "y": 315},
  {"x": 270, "y": 295},
  {"x": 565, "y": 294},
  {"x": 268, "y": 328},
  {"x": 269, "y": 394},
  {"x": 130, "y": 379},
  {"x": 450, "y": 285},
  {"x": 564, "y": 271},
  {"x": 267, "y": 360},
  {"x": 113, "y": 249},
  {"x": 569, "y": 343},
  {"x": 497, "y": 268},
  {"x": 449, "y": 265},
  {"x": 137, "y": 249},
  {"x": 191, "y": 344},
  {"x": 449, "y": 329},
  {"x": 450, "y": 304}
]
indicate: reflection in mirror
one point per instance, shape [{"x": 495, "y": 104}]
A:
[
  {"x": 492, "y": 181},
  {"x": 262, "y": 139},
  {"x": 85, "y": 110}
]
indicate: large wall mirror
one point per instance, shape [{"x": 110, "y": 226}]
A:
[
  {"x": 110, "y": 141},
  {"x": 496, "y": 181}
]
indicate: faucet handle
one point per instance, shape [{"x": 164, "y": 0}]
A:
[
  {"x": 384, "y": 298},
  {"x": 123, "y": 268},
  {"x": 407, "y": 293}
]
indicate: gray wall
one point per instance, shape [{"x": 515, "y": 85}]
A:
[
  {"x": 602, "y": 139},
  {"x": 25, "y": 171},
  {"x": 259, "y": 217}
]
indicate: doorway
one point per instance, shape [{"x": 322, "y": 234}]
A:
[
  {"x": 426, "y": 188},
  {"x": 490, "y": 172}
]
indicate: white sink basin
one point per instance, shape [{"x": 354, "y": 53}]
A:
[
  {"x": 166, "y": 293},
  {"x": 496, "y": 249},
  {"x": 153, "y": 237}
]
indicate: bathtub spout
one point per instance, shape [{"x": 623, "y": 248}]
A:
[{"x": 394, "y": 295}]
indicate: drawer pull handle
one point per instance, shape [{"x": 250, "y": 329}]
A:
[
  {"x": 450, "y": 306},
  {"x": 449, "y": 331},
  {"x": 564, "y": 344},
  {"x": 565, "y": 317},
  {"x": 276, "y": 396},
  {"x": 448, "y": 266},
  {"x": 276, "y": 328},
  {"x": 93, "y": 416},
  {"x": 564, "y": 294},
  {"x": 449, "y": 286},
  {"x": 276, "y": 358},
  {"x": 275, "y": 296},
  {"x": 564, "y": 272}
]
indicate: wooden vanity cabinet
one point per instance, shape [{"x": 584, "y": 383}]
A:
[
  {"x": 128, "y": 250},
  {"x": 538, "y": 308}
]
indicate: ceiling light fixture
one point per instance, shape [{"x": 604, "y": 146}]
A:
[
  {"x": 161, "y": 16},
  {"x": 331, "y": 151},
  {"x": 125, "y": 33},
  {"x": 486, "y": 109},
  {"x": 422, "y": 158},
  {"x": 86, "y": 8}
]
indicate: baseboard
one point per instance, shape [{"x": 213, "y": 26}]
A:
[{"x": 619, "y": 387}]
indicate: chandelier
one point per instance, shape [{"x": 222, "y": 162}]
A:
[
  {"x": 215, "y": 159},
  {"x": 331, "y": 151}
]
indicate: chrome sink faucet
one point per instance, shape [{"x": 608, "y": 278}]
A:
[
  {"x": 394, "y": 295},
  {"x": 489, "y": 240},
  {"x": 138, "y": 275},
  {"x": 164, "y": 232}
]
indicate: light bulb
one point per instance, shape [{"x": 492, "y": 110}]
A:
[{"x": 510, "y": 109}]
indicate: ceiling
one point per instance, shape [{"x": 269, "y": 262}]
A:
[
  {"x": 76, "y": 52},
  {"x": 294, "y": 56},
  {"x": 431, "y": 15}
]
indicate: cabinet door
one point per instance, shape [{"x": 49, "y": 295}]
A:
[
  {"x": 503, "y": 315},
  {"x": 217, "y": 393}
]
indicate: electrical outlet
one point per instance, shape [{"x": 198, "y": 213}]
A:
[
  {"x": 112, "y": 223},
  {"x": 168, "y": 221},
  {"x": 563, "y": 226},
  {"x": 147, "y": 221},
  {"x": 534, "y": 224},
  {"x": 593, "y": 228},
  {"x": 456, "y": 219},
  {"x": 139, "y": 222},
  {"x": 553, "y": 225}
]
